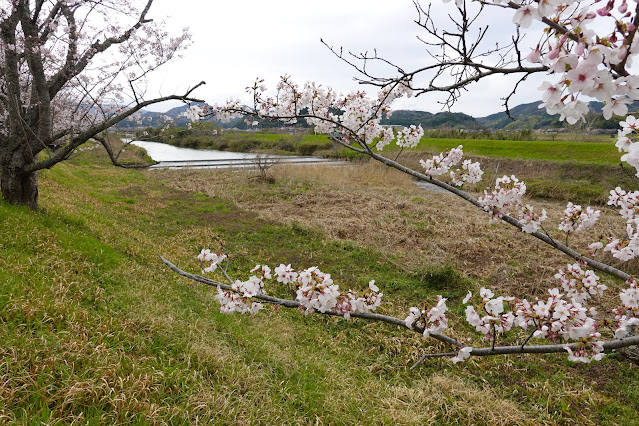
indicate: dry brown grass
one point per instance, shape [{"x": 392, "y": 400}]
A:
[
  {"x": 447, "y": 399},
  {"x": 381, "y": 207}
]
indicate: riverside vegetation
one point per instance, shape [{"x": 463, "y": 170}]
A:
[
  {"x": 556, "y": 171},
  {"x": 95, "y": 329}
]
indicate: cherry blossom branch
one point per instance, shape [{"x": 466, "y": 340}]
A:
[
  {"x": 294, "y": 304},
  {"x": 607, "y": 346}
]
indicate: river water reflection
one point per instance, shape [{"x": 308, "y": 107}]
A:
[
  {"x": 169, "y": 156},
  {"x": 172, "y": 157}
]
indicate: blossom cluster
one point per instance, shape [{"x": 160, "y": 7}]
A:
[
  {"x": 489, "y": 317},
  {"x": 366, "y": 303},
  {"x": 194, "y": 113},
  {"x": 444, "y": 162},
  {"x": 628, "y": 317},
  {"x": 241, "y": 300},
  {"x": 315, "y": 290},
  {"x": 432, "y": 320},
  {"x": 630, "y": 296},
  {"x": 211, "y": 259},
  {"x": 559, "y": 320},
  {"x": 554, "y": 318},
  {"x": 531, "y": 221},
  {"x": 470, "y": 172},
  {"x": 624, "y": 248},
  {"x": 575, "y": 218},
  {"x": 625, "y": 136},
  {"x": 507, "y": 194},
  {"x": 409, "y": 137},
  {"x": 583, "y": 53},
  {"x": 580, "y": 284}
]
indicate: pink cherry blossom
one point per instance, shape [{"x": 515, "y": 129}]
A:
[
  {"x": 525, "y": 15},
  {"x": 575, "y": 218}
]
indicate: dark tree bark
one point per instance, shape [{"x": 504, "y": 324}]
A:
[{"x": 19, "y": 186}]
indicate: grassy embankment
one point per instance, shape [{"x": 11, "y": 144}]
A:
[
  {"x": 95, "y": 329},
  {"x": 205, "y": 136}
]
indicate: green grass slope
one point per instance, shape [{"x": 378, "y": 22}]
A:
[{"x": 95, "y": 330}]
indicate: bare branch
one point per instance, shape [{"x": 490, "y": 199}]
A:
[
  {"x": 78, "y": 140},
  {"x": 454, "y": 54},
  {"x": 114, "y": 157}
]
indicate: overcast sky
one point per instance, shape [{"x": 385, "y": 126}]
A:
[{"x": 236, "y": 42}]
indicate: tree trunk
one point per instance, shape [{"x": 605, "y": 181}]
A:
[{"x": 18, "y": 186}]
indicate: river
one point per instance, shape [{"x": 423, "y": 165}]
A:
[
  {"x": 173, "y": 157},
  {"x": 169, "y": 156}
]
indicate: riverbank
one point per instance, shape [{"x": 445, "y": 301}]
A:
[
  {"x": 207, "y": 136},
  {"x": 598, "y": 149},
  {"x": 563, "y": 170},
  {"x": 171, "y": 157}
]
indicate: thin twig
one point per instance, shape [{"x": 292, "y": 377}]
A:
[{"x": 429, "y": 355}]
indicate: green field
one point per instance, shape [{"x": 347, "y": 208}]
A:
[{"x": 594, "y": 152}]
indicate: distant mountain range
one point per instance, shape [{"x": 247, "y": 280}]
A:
[
  {"x": 157, "y": 119},
  {"x": 525, "y": 116}
]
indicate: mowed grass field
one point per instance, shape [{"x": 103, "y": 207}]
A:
[
  {"x": 582, "y": 172},
  {"x": 95, "y": 330},
  {"x": 591, "y": 152}
]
